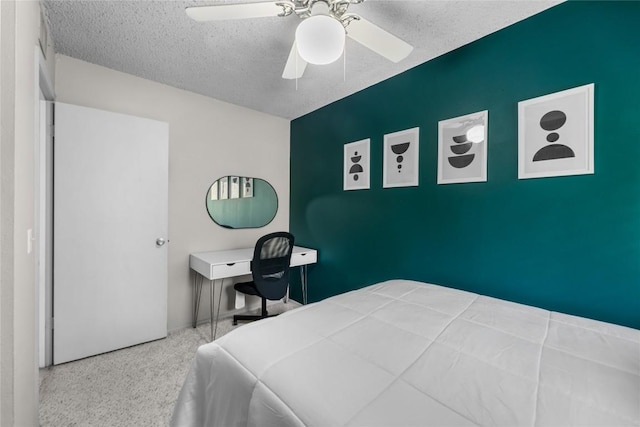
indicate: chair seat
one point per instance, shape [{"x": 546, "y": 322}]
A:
[{"x": 246, "y": 288}]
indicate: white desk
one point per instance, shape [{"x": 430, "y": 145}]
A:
[{"x": 237, "y": 262}]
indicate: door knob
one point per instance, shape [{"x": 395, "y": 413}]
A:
[{"x": 160, "y": 242}]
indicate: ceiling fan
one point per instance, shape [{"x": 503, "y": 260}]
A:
[{"x": 320, "y": 36}]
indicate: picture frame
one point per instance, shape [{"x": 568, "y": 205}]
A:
[
  {"x": 234, "y": 187},
  {"x": 401, "y": 158},
  {"x": 223, "y": 188},
  {"x": 357, "y": 161},
  {"x": 462, "y": 148},
  {"x": 555, "y": 134},
  {"x": 247, "y": 187},
  {"x": 213, "y": 191}
]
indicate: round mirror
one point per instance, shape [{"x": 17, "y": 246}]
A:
[{"x": 241, "y": 202}]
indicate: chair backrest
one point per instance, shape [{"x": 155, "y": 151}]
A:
[{"x": 270, "y": 264}]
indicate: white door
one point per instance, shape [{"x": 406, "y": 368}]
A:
[{"x": 110, "y": 210}]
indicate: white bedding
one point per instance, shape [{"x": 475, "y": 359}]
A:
[{"x": 405, "y": 353}]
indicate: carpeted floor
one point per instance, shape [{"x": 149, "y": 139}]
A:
[{"x": 132, "y": 387}]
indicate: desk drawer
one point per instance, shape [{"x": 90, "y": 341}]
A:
[
  {"x": 220, "y": 271},
  {"x": 302, "y": 258}
]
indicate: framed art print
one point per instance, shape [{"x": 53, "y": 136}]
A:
[
  {"x": 401, "y": 157},
  {"x": 462, "y": 149},
  {"x": 356, "y": 165},
  {"x": 234, "y": 187},
  {"x": 213, "y": 191},
  {"x": 247, "y": 187},
  {"x": 223, "y": 188},
  {"x": 555, "y": 134}
]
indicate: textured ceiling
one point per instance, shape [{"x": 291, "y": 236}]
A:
[{"x": 241, "y": 61}]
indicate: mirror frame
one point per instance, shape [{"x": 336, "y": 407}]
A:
[{"x": 237, "y": 199}]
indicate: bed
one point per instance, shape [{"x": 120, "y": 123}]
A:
[{"x": 406, "y": 353}]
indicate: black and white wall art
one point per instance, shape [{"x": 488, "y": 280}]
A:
[
  {"x": 213, "y": 191},
  {"x": 234, "y": 187},
  {"x": 462, "y": 148},
  {"x": 555, "y": 134},
  {"x": 401, "y": 157},
  {"x": 356, "y": 165},
  {"x": 247, "y": 187},
  {"x": 223, "y": 188}
]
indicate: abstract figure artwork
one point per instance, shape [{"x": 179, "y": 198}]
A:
[
  {"x": 247, "y": 187},
  {"x": 356, "y": 165},
  {"x": 462, "y": 149},
  {"x": 234, "y": 187},
  {"x": 213, "y": 191},
  {"x": 555, "y": 134},
  {"x": 551, "y": 122},
  {"x": 401, "y": 155},
  {"x": 223, "y": 188}
]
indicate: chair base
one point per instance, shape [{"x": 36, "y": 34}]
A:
[{"x": 249, "y": 317}]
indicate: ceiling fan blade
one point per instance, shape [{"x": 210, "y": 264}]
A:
[
  {"x": 240, "y": 11},
  {"x": 294, "y": 69},
  {"x": 378, "y": 40}
]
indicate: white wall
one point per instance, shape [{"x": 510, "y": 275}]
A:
[
  {"x": 207, "y": 139},
  {"x": 20, "y": 25}
]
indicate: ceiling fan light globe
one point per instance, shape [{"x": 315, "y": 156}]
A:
[
  {"x": 476, "y": 134},
  {"x": 320, "y": 39}
]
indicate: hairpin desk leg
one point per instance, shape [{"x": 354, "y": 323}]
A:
[
  {"x": 211, "y": 283},
  {"x": 303, "y": 283},
  {"x": 197, "y": 292}
]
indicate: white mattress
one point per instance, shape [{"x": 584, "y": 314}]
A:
[{"x": 404, "y": 353}]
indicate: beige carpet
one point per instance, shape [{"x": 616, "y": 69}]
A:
[{"x": 136, "y": 386}]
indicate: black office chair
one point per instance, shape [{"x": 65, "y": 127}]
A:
[{"x": 270, "y": 271}]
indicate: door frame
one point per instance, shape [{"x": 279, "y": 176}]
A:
[{"x": 43, "y": 216}]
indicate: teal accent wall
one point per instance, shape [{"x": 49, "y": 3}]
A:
[
  {"x": 569, "y": 244},
  {"x": 246, "y": 212}
]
